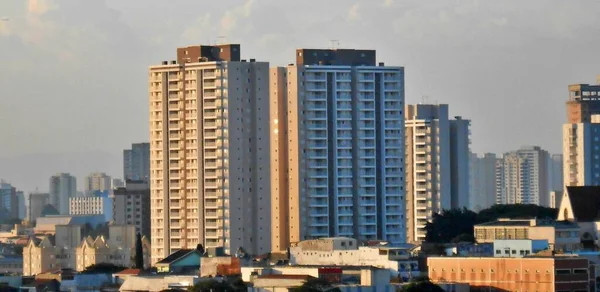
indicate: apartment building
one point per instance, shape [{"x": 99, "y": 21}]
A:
[
  {"x": 209, "y": 152},
  {"x": 63, "y": 187},
  {"x": 551, "y": 273},
  {"x": 523, "y": 177},
  {"x": 131, "y": 206},
  {"x": 36, "y": 204},
  {"x": 136, "y": 162},
  {"x": 482, "y": 172},
  {"x": 97, "y": 181},
  {"x": 337, "y": 150},
  {"x": 437, "y": 165},
  {"x": 99, "y": 204},
  {"x": 9, "y": 200}
]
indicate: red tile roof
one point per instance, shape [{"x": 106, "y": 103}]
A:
[
  {"x": 129, "y": 272},
  {"x": 291, "y": 277}
]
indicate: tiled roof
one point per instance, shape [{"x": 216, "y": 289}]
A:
[
  {"x": 129, "y": 272},
  {"x": 175, "y": 256}
]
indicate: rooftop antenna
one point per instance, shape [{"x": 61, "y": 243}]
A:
[
  {"x": 424, "y": 99},
  {"x": 335, "y": 44}
]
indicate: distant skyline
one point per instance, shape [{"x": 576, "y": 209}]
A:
[{"x": 74, "y": 73}]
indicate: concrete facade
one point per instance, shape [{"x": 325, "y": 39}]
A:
[
  {"x": 482, "y": 172},
  {"x": 336, "y": 148},
  {"x": 437, "y": 165},
  {"x": 97, "y": 205},
  {"x": 209, "y": 152},
  {"x": 9, "y": 200},
  {"x": 36, "y": 204},
  {"x": 522, "y": 177},
  {"x": 514, "y": 274},
  {"x": 97, "y": 181},
  {"x": 63, "y": 187},
  {"x": 136, "y": 162},
  {"x": 131, "y": 206}
]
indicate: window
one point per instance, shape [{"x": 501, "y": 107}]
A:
[
  {"x": 498, "y": 251},
  {"x": 580, "y": 271},
  {"x": 563, "y": 272}
]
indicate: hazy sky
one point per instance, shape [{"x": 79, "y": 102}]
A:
[{"x": 73, "y": 73}]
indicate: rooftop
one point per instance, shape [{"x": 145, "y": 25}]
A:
[{"x": 585, "y": 203}]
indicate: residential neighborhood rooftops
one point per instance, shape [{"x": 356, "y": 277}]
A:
[{"x": 175, "y": 256}]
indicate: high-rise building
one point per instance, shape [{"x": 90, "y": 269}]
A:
[
  {"x": 36, "y": 204},
  {"x": 131, "y": 206},
  {"x": 63, "y": 187},
  {"x": 97, "y": 181},
  {"x": 337, "y": 150},
  {"x": 522, "y": 177},
  {"x": 8, "y": 201},
  {"x": 482, "y": 193},
  {"x": 98, "y": 204},
  {"x": 209, "y": 152},
  {"x": 136, "y": 162},
  {"x": 581, "y": 136},
  {"x": 555, "y": 172},
  {"x": 21, "y": 203},
  {"x": 437, "y": 165}
]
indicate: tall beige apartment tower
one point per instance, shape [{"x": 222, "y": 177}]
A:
[
  {"x": 337, "y": 148},
  {"x": 209, "y": 152}
]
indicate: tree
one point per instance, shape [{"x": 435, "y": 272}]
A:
[
  {"x": 450, "y": 224},
  {"x": 315, "y": 285},
  {"x": 515, "y": 211},
  {"x": 139, "y": 252},
  {"x": 421, "y": 285},
  {"x": 225, "y": 285},
  {"x": 103, "y": 268}
]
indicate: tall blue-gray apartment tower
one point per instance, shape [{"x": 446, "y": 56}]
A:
[
  {"x": 136, "y": 162},
  {"x": 337, "y": 148}
]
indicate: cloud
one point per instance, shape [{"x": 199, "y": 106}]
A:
[
  {"x": 231, "y": 17},
  {"x": 388, "y": 3},
  {"x": 354, "y": 12},
  {"x": 4, "y": 29},
  {"x": 39, "y": 7}
]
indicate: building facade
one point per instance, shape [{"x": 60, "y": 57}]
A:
[
  {"x": 523, "y": 177},
  {"x": 8, "y": 200},
  {"x": 337, "y": 151},
  {"x": 63, "y": 187},
  {"x": 136, "y": 162},
  {"x": 97, "y": 181},
  {"x": 482, "y": 193},
  {"x": 100, "y": 204},
  {"x": 131, "y": 206},
  {"x": 209, "y": 152},
  {"x": 36, "y": 204},
  {"x": 560, "y": 273},
  {"x": 437, "y": 165}
]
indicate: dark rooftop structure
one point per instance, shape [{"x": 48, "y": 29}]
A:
[
  {"x": 175, "y": 256},
  {"x": 585, "y": 203},
  {"x": 339, "y": 57},
  {"x": 194, "y": 54},
  {"x": 529, "y": 222}
]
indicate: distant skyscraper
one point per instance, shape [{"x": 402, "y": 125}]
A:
[
  {"x": 337, "y": 148},
  {"x": 581, "y": 136},
  {"x": 8, "y": 201},
  {"x": 209, "y": 171},
  {"x": 437, "y": 165},
  {"x": 136, "y": 162},
  {"x": 100, "y": 203},
  {"x": 21, "y": 203},
  {"x": 97, "y": 181},
  {"x": 555, "y": 173},
  {"x": 482, "y": 192},
  {"x": 37, "y": 201},
  {"x": 63, "y": 187},
  {"x": 523, "y": 177}
]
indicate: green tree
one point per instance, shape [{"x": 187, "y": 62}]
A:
[
  {"x": 420, "y": 285},
  {"x": 515, "y": 211},
  {"x": 226, "y": 285},
  {"x": 139, "y": 252},
  {"x": 449, "y": 225}
]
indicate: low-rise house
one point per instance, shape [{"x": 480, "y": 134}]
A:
[
  {"x": 519, "y": 247},
  {"x": 561, "y": 235},
  {"x": 181, "y": 261},
  {"x": 156, "y": 283},
  {"x": 222, "y": 265},
  {"x": 345, "y": 251},
  {"x": 120, "y": 277}
]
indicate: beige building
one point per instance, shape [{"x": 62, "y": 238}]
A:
[
  {"x": 97, "y": 181},
  {"x": 561, "y": 235},
  {"x": 209, "y": 152},
  {"x": 522, "y": 177},
  {"x": 70, "y": 251},
  {"x": 337, "y": 150}
]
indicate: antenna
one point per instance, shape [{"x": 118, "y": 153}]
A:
[
  {"x": 334, "y": 44},
  {"x": 424, "y": 99}
]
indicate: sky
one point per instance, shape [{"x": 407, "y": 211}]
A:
[{"x": 73, "y": 73}]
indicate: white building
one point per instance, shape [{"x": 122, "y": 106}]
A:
[
  {"x": 209, "y": 152},
  {"x": 437, "y": 165},
  {"x": 482, "y": 193},
  {"x": 337, "y": 148},
  {"x": 522, "y": 177},
  {"x": 342, "y": 251},
  {"x": 63, "y": 187},
  {"x": 97, "y": 205}
]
